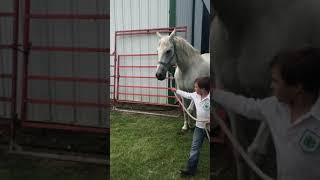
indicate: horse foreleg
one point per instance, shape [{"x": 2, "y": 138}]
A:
[
  {"x": 190, "y": 109},
  {"x": 259, "y": 144},
  {"x": 185, "y": 125}
]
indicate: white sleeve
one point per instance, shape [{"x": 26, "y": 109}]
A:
[
  {"x": 184, "y": 94},
  {"x": 248, "y": 107}
]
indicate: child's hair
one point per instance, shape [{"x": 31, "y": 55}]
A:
[
  {"x": 300, "y": 66},
  {"x": 203, "y": 83}
]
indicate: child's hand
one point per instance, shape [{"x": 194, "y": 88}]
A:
[{"x": 173, "y": 89}]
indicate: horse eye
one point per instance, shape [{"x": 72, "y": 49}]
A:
[{"x": 169, "y": 51}]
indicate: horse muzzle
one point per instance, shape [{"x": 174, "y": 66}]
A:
[{"x": 160, "y": 76}]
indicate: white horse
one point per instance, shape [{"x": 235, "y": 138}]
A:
[
  {"x": 174, "y": 50},
  {"x": 245, "y": 35}
]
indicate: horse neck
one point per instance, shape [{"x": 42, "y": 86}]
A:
[{"x": 185, "y": 54}]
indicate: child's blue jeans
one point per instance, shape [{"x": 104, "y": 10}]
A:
[{"x": 198, "y": 137}]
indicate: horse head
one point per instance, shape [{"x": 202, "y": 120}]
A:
[{"x": 166, "y": 52}]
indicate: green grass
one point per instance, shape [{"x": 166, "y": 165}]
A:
[
  {"x": 148, "y": 147},
  {"x": 19, "y": 168}
]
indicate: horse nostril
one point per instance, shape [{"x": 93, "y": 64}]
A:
[{"x": 159, "y": 76}]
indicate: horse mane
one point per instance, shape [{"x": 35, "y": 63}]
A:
[{"x": 181, "y": 43}]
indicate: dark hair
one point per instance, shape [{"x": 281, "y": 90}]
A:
[
  {"x": 203, "y": 83},
  {"x": 299, "y": 66}
]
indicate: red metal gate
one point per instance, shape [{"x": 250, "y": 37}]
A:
[
  {"x": 11, "y": 73},
  {"x": 121, "y": 68},
  {"x": 28, "y": 78}
]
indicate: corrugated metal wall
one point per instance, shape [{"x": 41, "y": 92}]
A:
[
  {"x": 68, "y": 33},
  {"x": 6, "y": 37},
  {"x": 198, "y": 24},
  {"x": 184, "y": 17},
  {"x": 207, "y": 4},
  {"x": 138, "y": 14}
]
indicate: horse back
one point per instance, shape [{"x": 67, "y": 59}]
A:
[{"x": 185, "y": 79}]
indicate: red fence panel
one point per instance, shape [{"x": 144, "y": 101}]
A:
[
  {"x": 132, "y": 84},
  {"x": 8, "y": 60}
]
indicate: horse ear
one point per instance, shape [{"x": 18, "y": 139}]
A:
[
  {"x": 173, "y": 33},
  {"x": 159, "y": 34}
]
